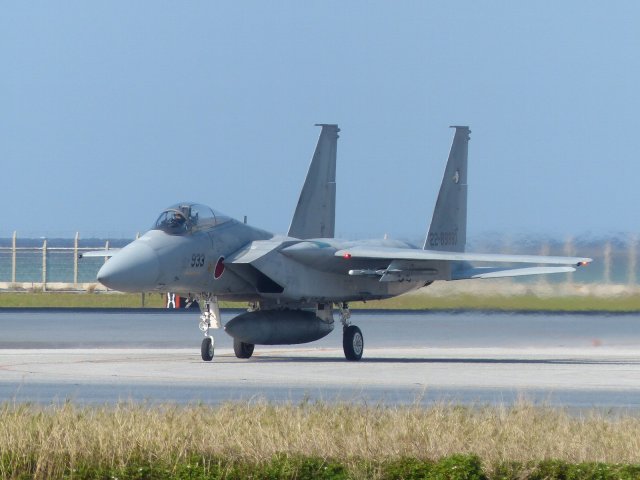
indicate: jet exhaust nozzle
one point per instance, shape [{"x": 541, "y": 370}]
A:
[{"x": 278, "y": 327}]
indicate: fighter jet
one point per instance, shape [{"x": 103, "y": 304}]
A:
[{"x": 293, "y": 284}]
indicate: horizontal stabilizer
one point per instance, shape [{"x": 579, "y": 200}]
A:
[{"x": 488, "y": 272}]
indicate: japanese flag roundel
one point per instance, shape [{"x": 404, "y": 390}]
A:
[{"x": 219, "y": 270}]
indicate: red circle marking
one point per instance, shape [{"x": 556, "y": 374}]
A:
[{"x": 219, "y": 270}]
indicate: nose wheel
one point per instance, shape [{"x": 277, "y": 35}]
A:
[
  {"x": 206, "y": 349},
  {"x": 210, "y": 318}
]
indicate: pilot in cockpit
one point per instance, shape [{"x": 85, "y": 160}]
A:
[
  {"x": 186, "y": 211},
  {"x": 182, "y": 218},
  {"x": 178, "y": 220}
]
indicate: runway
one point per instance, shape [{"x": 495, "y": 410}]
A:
[{"x": 578, "y": 361}]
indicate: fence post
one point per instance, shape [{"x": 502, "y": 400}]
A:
[
  {"x": 544, "y": 251},
  {"x": 137, "y": 237},
  {"x": 13, "y": 258},
  {"x": 607, "y": 262},
  {"x": 633, "y": 259},
  {"x": 44, "y": 265},
  {"x": 569, "y": 251},
  {"x": 75, "y": 261}
]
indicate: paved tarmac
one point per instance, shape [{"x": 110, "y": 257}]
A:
[{"x": 578, "y": 361}]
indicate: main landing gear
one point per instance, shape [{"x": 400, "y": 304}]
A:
[
  {"x": 210, "y": 318},
  {"x": 241, "y": 349},
  {"x": 352, "y": 339}
]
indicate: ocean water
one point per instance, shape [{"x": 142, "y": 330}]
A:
[{"x": 59, "y": 259}]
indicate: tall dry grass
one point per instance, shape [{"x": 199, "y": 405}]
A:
[{"x": 50, "y": 439}]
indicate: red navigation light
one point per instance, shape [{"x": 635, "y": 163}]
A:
[{"x": 346, "y": 256}]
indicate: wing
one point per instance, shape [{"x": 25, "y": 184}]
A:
[
  {"x": 415, "y": 254},
  {"x": 405, "y": 264},
  {"x": 389, "y": 264}
]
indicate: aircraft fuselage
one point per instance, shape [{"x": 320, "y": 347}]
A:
[{"x": 275, "y": 268}]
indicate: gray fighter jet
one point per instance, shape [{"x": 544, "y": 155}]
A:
[{"x": 293, "y": 283}]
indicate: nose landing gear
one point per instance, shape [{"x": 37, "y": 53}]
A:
[
  {"x": 206, "y": 349},
  {"x": 210, "y": 318}
]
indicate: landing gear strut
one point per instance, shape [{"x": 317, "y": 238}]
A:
[
  {"x": 210, "y": 318},
  {"x": 352, "y": 339}
]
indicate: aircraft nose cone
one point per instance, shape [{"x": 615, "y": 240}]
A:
[{"x": 135, "y": 268}]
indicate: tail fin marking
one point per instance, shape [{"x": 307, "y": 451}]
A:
[{"x": 448, "y": 229}]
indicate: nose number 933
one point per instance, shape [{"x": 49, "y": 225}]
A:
[{"x": 197, "y": 260}]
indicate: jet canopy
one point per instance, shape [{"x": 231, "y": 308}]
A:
[{"x": 186, "y": 217}]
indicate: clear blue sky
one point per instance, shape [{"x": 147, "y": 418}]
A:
[{"x": 111, "y": 111}]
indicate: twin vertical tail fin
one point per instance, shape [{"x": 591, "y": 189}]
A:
[
  {"x": 448, "y": 230},
  {"x": 315, "y": 214}
]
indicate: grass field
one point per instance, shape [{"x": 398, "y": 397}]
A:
[
  {"x": 628, "y": 303},
  {"x": 527, "y": 302},
  {"x": 348, "y": 441},
  {"x": 79, "y": 300}
]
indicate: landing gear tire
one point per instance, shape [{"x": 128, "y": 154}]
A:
[
  {"x": 242, "y": 350},
  {"x": 352, "y": 343},
  {"x": 206, "y": 349}
]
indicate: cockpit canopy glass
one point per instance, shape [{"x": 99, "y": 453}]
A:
[{"x": 186, "y": 217}]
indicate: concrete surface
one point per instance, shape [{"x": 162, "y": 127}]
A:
[{"x": 571, "y": 360}]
